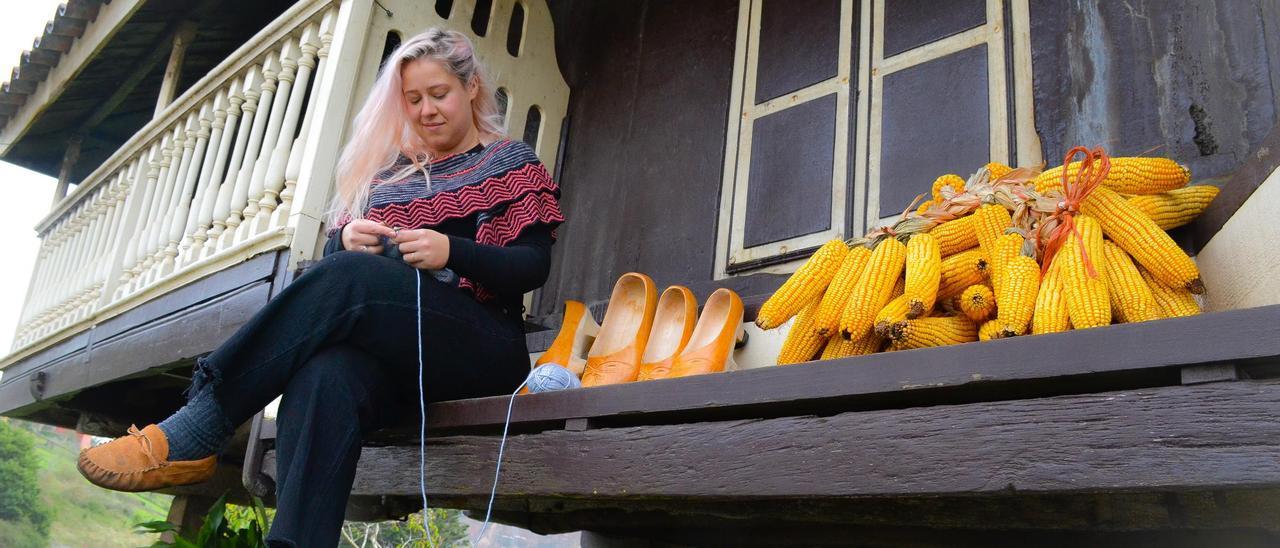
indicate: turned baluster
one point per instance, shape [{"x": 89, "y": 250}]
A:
[
  {"x": 224, "y": 127},
  {"x": 259, "y": 96},
  {"x": 275, "y": 177},
  {"x": 280, "y": 216},
  {"x": 243, "y": 99},
  {"x": 287, "y": 59}
]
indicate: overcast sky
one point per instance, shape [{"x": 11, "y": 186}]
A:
[{"x": 26, "y": 194}]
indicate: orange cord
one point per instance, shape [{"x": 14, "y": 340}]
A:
[{"x": 1093, "y": 170}]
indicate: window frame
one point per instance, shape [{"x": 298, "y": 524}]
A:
[{"x": 855, "y": 204}]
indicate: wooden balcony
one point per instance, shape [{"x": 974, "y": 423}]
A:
[{"x": 219, "y": 176}]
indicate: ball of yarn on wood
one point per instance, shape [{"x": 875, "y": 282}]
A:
[{"x": 550, "y": 377}]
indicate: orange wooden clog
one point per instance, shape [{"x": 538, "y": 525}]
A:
[
  {"x": 615, "y": 355},
  {"x": 719, "y": 330},
  {"x": 577, "y": 332},
  {"x": 672, "y": 326}
]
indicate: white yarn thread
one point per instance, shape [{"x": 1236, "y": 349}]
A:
[
  {"x": 544, "y": 378},
  {"x": 422, "y": 432}
]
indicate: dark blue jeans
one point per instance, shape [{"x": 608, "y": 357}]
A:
[{"x": 341, "y": 344}]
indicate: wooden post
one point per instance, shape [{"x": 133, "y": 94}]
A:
[
  {"x": 69, "y": 159},
  {"x": 187, "y": 513},
  {"x": 173, "y": 71}
]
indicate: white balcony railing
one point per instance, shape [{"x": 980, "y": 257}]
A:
[
  {"x": 241, "y": 164},
  {"x": 207, "y": 183}
]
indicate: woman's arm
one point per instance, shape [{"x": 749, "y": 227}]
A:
[
  {"x": 521, "y": 266},
  {"x": 334, "y": 244}
]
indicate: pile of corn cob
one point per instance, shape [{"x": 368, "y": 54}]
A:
[{"x": 968, "y": 265}]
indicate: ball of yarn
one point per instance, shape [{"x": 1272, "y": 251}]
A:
[{"x": 550, "y": 377}]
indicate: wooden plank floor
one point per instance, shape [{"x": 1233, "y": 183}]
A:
[
  {"x": 1121, "y": 429},
  {"x": 1195, "y": 457}
]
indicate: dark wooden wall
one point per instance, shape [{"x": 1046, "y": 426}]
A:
[
  {"x": 1198, "y": 81},
  {"x": 1194, "y": 80},
  {"x": 644, "y": 150}
]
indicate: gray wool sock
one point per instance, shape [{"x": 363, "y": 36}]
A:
[{"x": 197, "y": 430}]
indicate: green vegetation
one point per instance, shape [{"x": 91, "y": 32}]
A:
[
  {"x": 79, "y": 513},
  {"x": 446, "y": 525},
  {"x": 24, "y": 519},
  {"x": 45, "y": 502},
  {"x": 224, "y": 526}
]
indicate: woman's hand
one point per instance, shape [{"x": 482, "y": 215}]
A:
[
  {"x": 424, "y": 248},
  {"x": 362, "y": 235}
]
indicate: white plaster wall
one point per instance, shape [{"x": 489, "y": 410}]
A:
[{"x": 1240, "y": 266}]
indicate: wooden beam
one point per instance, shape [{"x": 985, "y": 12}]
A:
[
  {"x": 1147, "y": 353},
  {"x": 173, "y": 71},
  {"x": 69, "y": 159},
  {"x": 187, "y": 512},
  {"x": 187, "y": 322},
  {"x": 110, "y": 19},
  {"x": 139, "y": 72},
  {"x": 1218, "y": 436}
]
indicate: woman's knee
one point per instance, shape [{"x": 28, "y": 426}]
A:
[
  {"x": 351, "y": 265},
  {"x": 339, "y": 375},
  {"x": 341, "y": 379}
]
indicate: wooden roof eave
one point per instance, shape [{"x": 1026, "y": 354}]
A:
[{"x": 55, "y": 60}]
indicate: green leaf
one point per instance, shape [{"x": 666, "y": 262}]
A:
[
  {"x": 184, "y": 543},
  {"x": 154, "y": 527},
  {"x": 260, "y": 511},
  {"x": 213, "y": 521}
]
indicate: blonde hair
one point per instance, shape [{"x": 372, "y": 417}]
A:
[{"x": 382, "y": 131}]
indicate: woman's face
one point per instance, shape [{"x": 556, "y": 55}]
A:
[{"x": 440, "y": 106}]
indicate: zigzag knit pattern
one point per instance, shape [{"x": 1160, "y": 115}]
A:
[{"x": 504, "y": 184}]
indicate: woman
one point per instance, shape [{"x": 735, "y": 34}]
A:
[{"x": 478, "y": 214}]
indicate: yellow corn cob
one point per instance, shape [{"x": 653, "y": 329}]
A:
[
  {"x": 937, "y": 331},
  {"x": 952, "y": 180},
  {"x": 924, "y": 272},
  {"x": 837, "y": 295},
  {"x": 977, "y": 302},
  {"x": 802, "y": 343},
  {"x": 803, "y": 287},
  {"x": 955, "y": 235},
  {"x": 991, "y": 221},
  {"x": 960, "y": 271},
  {"x": 892, "y": 313},
  {"x": 1051, "y": 303},
  {"x": 1135, "y": 233},
  {"x": 998, "y": 170},
  {"x": 1131, "y": 298},
  {"x": 1142, "y": 238},
  {"x": 1087, "y": 302},
  {"x": 1127, "y": 175},
  {"x": 989, "y": 330},
  {"x": 1017, "y": 303},
  {"x": 1175, "y": 208},
  {"x": 1174, "y": 302},
  {"x": 924, "y": 206},
  {"x": 1005, "y": 248},
  {"x": 837, "y": 347},
  {"x": 874, "y": 288}
]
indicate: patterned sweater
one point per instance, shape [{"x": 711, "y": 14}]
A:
[{"x": 497, "y": 204}]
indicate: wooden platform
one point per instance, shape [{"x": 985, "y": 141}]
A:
[{"x": 1125, "y": 433}]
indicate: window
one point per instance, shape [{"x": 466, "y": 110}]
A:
[
  {"x": 480, "y": 18},
  {"x": 836, "y": 127},
  {"x": 515, "y": 30}
]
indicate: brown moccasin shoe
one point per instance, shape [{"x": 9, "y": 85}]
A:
[{"x": 136, "y": 462}]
